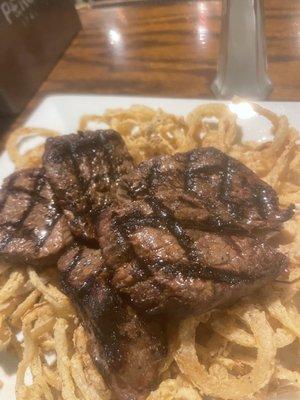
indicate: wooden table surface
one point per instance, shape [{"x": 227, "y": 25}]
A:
[{"x": 166, "y": 49}]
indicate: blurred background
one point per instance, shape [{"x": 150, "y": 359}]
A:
[{"x": 137, "y": 47}]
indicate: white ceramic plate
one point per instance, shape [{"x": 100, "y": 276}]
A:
[{"x": 63, "y": 112}]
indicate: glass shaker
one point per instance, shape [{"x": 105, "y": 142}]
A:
[{"x": 242, "y": 66}]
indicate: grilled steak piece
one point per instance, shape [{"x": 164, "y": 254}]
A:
[
  {"x": 80, "y": 169},
  {"x": 127, "y": 348},
  {"x": 179, "y": 240},
  {"x": 165, "y": 268},
  {"x": 183, "y": 234},
  {"x": 32, "y": 230},
  {"x": 207, "y": 190}
]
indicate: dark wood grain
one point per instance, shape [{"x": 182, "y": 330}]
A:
[{"x": 166, "y": 49}]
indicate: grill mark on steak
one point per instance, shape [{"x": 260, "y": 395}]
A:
[
  {"x": 232, "y": 243},
  {"x": 263, "y": 200},
  {"x": 126, "y": 347},
  {"x": 236, "y": 210},
  {"x": 34, "y": 195},
  {"x": 21, "y": 240},
  {"x": 163, "y": 217},
  {"x": 218, "y": 250},
  {"x": 104, "y": 143},
  {"x": 81, "y": 169},
  {"x": 72, "y": 151},
  {"x": 225, "y": 171},
  {"x": 89, "y": 306},
  {"x": 150, "y": 284},
  {"x": 197, "y": 267},
  {"x": 166, "y": 218},
  {"x": 189, "y": 176},
  {"x": 109, "y": 157},
  {"x": 228, "y": 195},
  {"x": 18, "y": 225}
]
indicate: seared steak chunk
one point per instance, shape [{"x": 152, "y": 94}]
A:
[
  {"x": 128, "y": 348},
  {"x": 32, "y": 230},
  {"x": 207, "y": 190},
  {"x": 178, "y": 235},
  {"x": 183, "y": 234},
  {"x": 80, "y": 169},
  {"x": 182, "y": 237},
  {"x": 164, "y": 267}
]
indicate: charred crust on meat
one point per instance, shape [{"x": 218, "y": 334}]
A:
[
  {"x": 81, "y": 169},
  {"x": 150, "y": 200},
  {"x": 177, "y": 235},
  {"x": 117, "y": 331},
  {"x": 237, "y": 200},
  {"x": 28, "y": 217}
]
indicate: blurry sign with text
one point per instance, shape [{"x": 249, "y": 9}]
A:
[{"x": 33, "y": 35}]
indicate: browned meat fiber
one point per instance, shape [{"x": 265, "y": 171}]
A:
[
  {"x": 32, "y": 230},
  {"x": 184, "y": 234},
  {"x": 80, "y": 169},
  {"x": 178, "y": 235},
  {"x": 127, "y": 347},
  {"x": 206, "y": 189},
  {"x": 181, "y": 234},
  {"x": 188, "y": 233}
]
